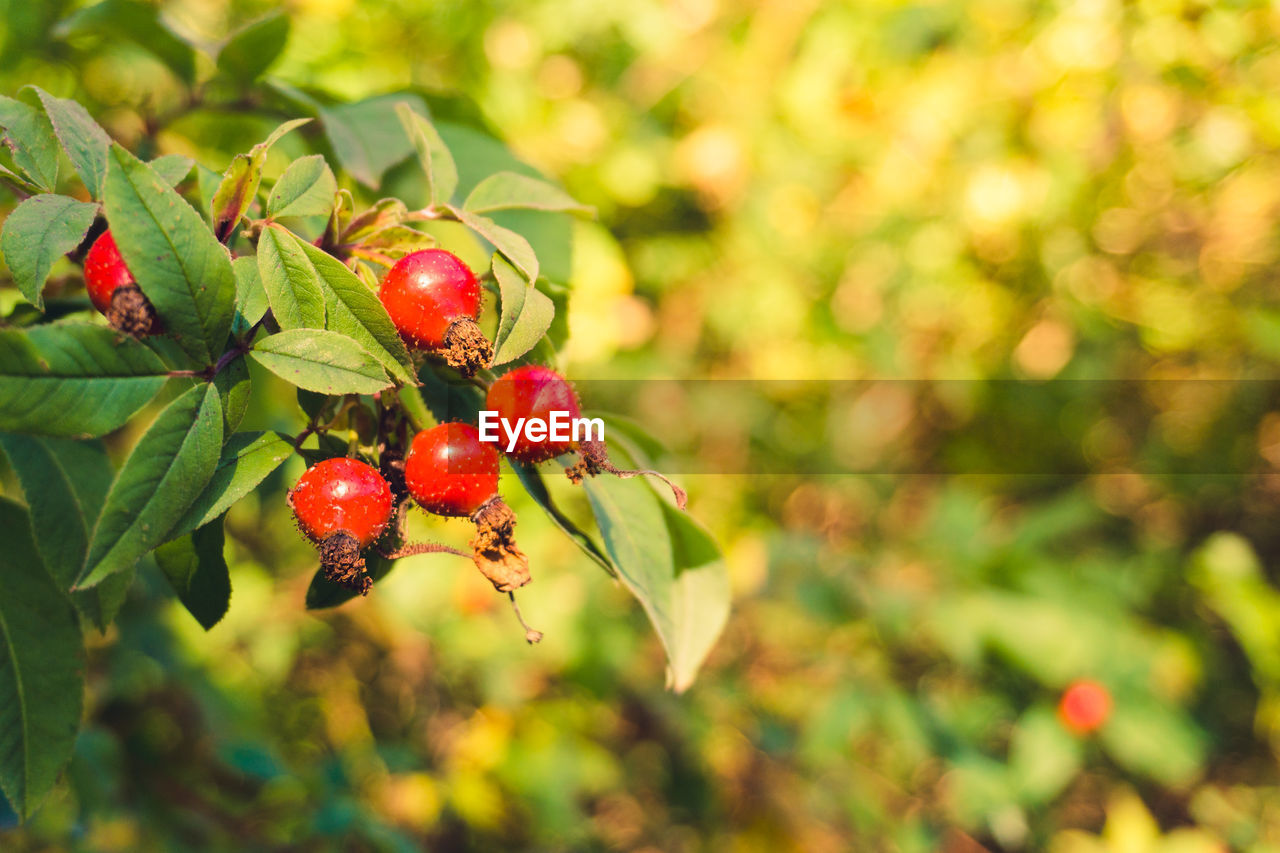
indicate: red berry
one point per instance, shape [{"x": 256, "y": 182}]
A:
[
  {"x": 425, "y": 292},
  {"x": 342, "y": 496},
  {"x": 104, "y": 271},
  {"x": 533, "y": 392},
  {"x": 1084, "y": 707},
  {"x": 449, "y": 471}
]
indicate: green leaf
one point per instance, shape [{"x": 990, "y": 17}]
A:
[
  {"x": 85, "y": 142},
  {"x": 162, "y": 477},
  {"x": 533, "y": 484},
  {"x": 197, "y": 569},
  {"x": 513, "y": 247},
  {"x": 323, "y": 593},
  {"x": 321, "y": 361},
  {"x": 1151, "y": 739},
  {"x": 251, "y": 296},
  {"x": 354, "y": 310},
  {"x": 65, "y": 484},
  {"x": 526, "y": 314},
  {"x": 247, "y": 459},
  {"x": 234, "y": 387},
  {"x": 252, "y": 49},
  {"x": 307, "y": 188},
  {"x": 41, "y": 664},
  {"x": 74, "y": 379},
  {"x": 291, "y": 283},
  {"x": 239, "y": 185},
  {"x": 670, "y": 564},
  {"x": 1043, "y": 756},
  {"x": 172, "y": 168},
  {"x": 437, "y": 162},
  {"x": 30, "y": 138},
  {"x": 140, "y": 23},
  {"x": 510, "y": 190},
  {"x": 182, "y": 269},
  {"x": 367, "y": 137},
  {"x": 40, "y": 231}
]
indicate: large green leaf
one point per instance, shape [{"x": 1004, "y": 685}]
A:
[
  {"x": 41, "y": 682},
  {"x": 433, "y": 154},
  {"x": 367, "y": 136},
  {"x": 74, "y": 379},
  {"x": 511, "y": 190},
  {"x": 1155, "y": 740},
  {"x": 197, "y": 569},
  {"x": 251, "y": 50},
  {"x": 670, "y": 564},
  {"x": 513, "y": 247},
  {"x": 65, "y": 484},
  {"x": 321, "y": 361},
  {"x": 40, "y": 231},
  {"x": 307, "y": 188},
  {"x": 247, "y": 459},
  {"x": 290, "y": 281},
  {"x": 85, "y": 142},
  {"x": 526, "y": 314},
  {"x": 537, "y": 489},
  {"x": 30, "y": 138},
  {"x": 162, "y": 477},
  {"x": 177, "y": 262},
  {"x": 140, "y": 23},
  {"x": 239, "y": 185}
]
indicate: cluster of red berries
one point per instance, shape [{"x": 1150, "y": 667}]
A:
[{"x": 345, "y": 505}]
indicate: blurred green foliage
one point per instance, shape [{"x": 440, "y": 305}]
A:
[{"x": 995, "y": 189}]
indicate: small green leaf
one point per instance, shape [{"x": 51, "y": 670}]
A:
[
  {"x": 290, "y": 281},
  {"x": 321, "y": 361},
  {"x": 670, "y": 564},
  {"x": 172, "y": 168},
  {"x": 1043, "y": 756},
  {"x": 252, "y": 49},
  {"x": 179, "y": 265},
  {"x": 384, "y": 213},
  {"x": 41, "y": 665},
  {"x": 247, "y": 459},
  {"x": 367, "y": 136},
  {"x": 85, "y": 142},
  {"x": 533, "y": 484},
  {"x": 165, "y": 472},
  {"x": 197, "y": 569},
  {"x": 513, "y": 247},
  {"x": 1152, "y": 739},
  {"x": 239, "y": 185},
  {"x": 526, "y": 314},
  {"x": 307, "y": 188},
  {"x": 437, "y": 162},
  {"x": 140, "y": 23},
  {"x": 73, "y": 379},
  {"x": 251, "y": 296},
  {"x": 40, "y": 231},
  {"x": 30, "y": 138},
  {"x": 511, "y": 190}
]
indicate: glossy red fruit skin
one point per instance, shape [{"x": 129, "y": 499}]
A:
[
  {"x": 425, "y": 292},
  {"x": 342, "y": 495},
  {"x": 1084, "y": 707},
  {"x": 533, "y": 391},
  {"x": 104, "y": 271},
  {"x": 449, "y": 471}
]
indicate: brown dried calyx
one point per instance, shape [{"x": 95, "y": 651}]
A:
[
  {"x": 595, "y": 458},
  {"x": 131, "y": 312},
  {"x": 341, "y": 562},
  {"x": 494, "y": 548},
  {"x": 466, "y": 349}
]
